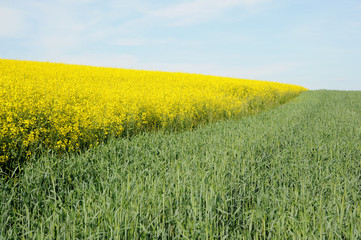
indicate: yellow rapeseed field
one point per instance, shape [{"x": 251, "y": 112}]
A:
[{"x": 64, "y": 107}]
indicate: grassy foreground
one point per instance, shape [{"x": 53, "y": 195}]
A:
[{"x": 293, "y": 172}]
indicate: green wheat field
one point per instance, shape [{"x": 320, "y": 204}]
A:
[{"x": 289, "y": 172}]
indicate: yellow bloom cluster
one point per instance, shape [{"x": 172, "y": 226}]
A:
[{"x": 69, "y": 107}]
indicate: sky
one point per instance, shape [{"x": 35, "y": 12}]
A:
[{"x": 312, "y": 43}]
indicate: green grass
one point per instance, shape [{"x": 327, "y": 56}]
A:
[{"x": 293, "y": 172}]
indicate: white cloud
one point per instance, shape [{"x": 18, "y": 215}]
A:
[
  {"x": 57, "y": 43},
  {"x": 59, "y": 18},
  {"x": 268, "y": 70},
  {"x": 78, "y": 1},
  {"x": 261, "y": 72},
  {"x": 106, "y": 60},
  {"x": 11, "y": 22},
  {"x": 199, "y": 10},
  {"x": 129, "y": 42},
  {"x": 56, "y": 28},
  {"x": 100, "y": 60},
  {"x": 141, "y": 41}
]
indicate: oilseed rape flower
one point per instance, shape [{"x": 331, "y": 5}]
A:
[{"x": 64, "y": 107}]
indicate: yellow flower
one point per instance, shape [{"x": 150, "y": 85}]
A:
[
  {"x": 3, "y": 159},
  {"x": 63, "y": 107}
]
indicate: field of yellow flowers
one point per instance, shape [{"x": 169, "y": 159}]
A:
[{"x": 64, "y": 107}]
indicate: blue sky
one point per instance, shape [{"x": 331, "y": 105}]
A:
[{"x": 313, "y": 43}]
